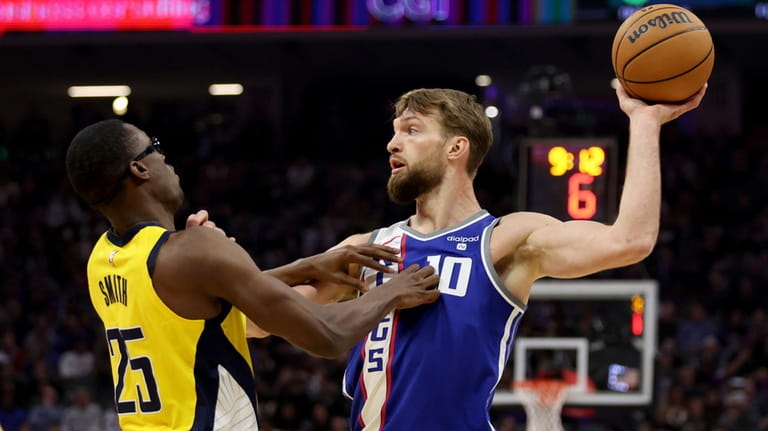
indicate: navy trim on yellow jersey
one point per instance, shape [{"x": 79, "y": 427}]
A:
[
  {"x": 156, "y": 249},
  {"x": 121, "y": 240},
  {"x": 214, "y": 349}
]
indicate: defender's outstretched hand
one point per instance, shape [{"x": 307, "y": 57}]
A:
[
  {"x": 418, "y": 285},
  {"x": 335, "y": 267}
]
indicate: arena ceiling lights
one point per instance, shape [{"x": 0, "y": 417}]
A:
[
  {"x": 99, "y": 91},
  {"x": 225, "y": 89}
]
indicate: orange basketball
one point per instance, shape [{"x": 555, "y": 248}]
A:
[{"x": 663, "y": 53}]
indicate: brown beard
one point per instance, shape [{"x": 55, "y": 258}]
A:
[{"x": 404, "y": 188}]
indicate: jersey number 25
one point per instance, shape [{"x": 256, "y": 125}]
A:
[{"x": 141, "y": 364}]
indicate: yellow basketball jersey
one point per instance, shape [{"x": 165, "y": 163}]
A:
[{"x": 170, "y": 373}]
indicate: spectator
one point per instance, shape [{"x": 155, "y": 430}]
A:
[
  {"x": 12, "y": 416},
  {"x": 84, "y": 415},
  {"x": 46, "y": 414},
  {"x": 76, "y": 364},
  {"x": 695, "y": 328},
  {"x": 110, "y": 420},
  {"x": 737, "y": 415}
]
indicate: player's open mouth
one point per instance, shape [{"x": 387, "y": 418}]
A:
[{"x": 396, "y": 165}]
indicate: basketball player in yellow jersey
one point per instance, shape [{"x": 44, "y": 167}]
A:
[{"x": 175, "y": 304}]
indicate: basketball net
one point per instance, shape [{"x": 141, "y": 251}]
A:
[{"x": 543, "y": 400}]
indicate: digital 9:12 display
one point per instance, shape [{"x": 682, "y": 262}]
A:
[{"x": 569, "y": 178}]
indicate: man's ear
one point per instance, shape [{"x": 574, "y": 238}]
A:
[
  {"x": 458, "y": 147},
  {"x": 139, "y": 170}
]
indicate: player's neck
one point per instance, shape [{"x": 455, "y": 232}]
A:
[
  {"x": 444, "y": 207},
  {"x": 123, "y": 217}
]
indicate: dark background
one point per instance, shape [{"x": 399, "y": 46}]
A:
[{"x": 298, "y": 162}]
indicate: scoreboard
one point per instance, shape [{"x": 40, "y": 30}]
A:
[
  {"x": 323, "y": 15},
  {"x": 266, "y": 15},
  {"x": 569, "y": 178}
]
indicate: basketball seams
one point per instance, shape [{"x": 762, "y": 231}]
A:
[
  {"x": 706, "y": 57},
  {"x": 631, "y": 25},
  {"x": 671, "y": 36}
]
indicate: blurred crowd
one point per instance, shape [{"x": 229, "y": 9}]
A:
[{"x": 288, "y": 192}]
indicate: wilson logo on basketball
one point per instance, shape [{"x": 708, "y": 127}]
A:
[{"x": 660, "y": 21}]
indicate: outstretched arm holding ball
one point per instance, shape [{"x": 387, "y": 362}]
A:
[{"x": 640, "y": 204}]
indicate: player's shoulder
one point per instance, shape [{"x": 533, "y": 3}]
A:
[
  {"x": 525, "y": 220},
  {"x": 514, "y": 228},
  {"x": 196, "y": 245},
  {"x": 200, "y": 257},
  {"x": 191, "y": 236}
]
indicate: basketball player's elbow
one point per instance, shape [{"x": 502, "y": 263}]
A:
[{"x": 635, "y": 248}]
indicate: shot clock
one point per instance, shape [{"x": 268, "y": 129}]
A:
[{"x": 569, "y": 178}]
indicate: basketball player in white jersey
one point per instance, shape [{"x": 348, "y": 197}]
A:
[{"x": 435, "y": 367}]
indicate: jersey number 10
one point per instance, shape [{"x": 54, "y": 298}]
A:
[{"x": 446, "y": 268}]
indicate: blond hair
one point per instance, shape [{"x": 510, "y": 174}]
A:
[{"x": 458, "y": 113}]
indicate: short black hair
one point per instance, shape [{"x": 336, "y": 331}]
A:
[{"x": 97, "y": 159}]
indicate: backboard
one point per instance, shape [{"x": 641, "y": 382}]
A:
[{"x": 599, "y": 335}]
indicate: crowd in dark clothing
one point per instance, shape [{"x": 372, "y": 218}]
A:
[{"x": 282, "y": 200}]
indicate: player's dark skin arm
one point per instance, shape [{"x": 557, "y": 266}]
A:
[
  {"x": 323, "y": 277},
  {"x": 333, "y": 266},
  {"x": 197, "y": 267}
]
